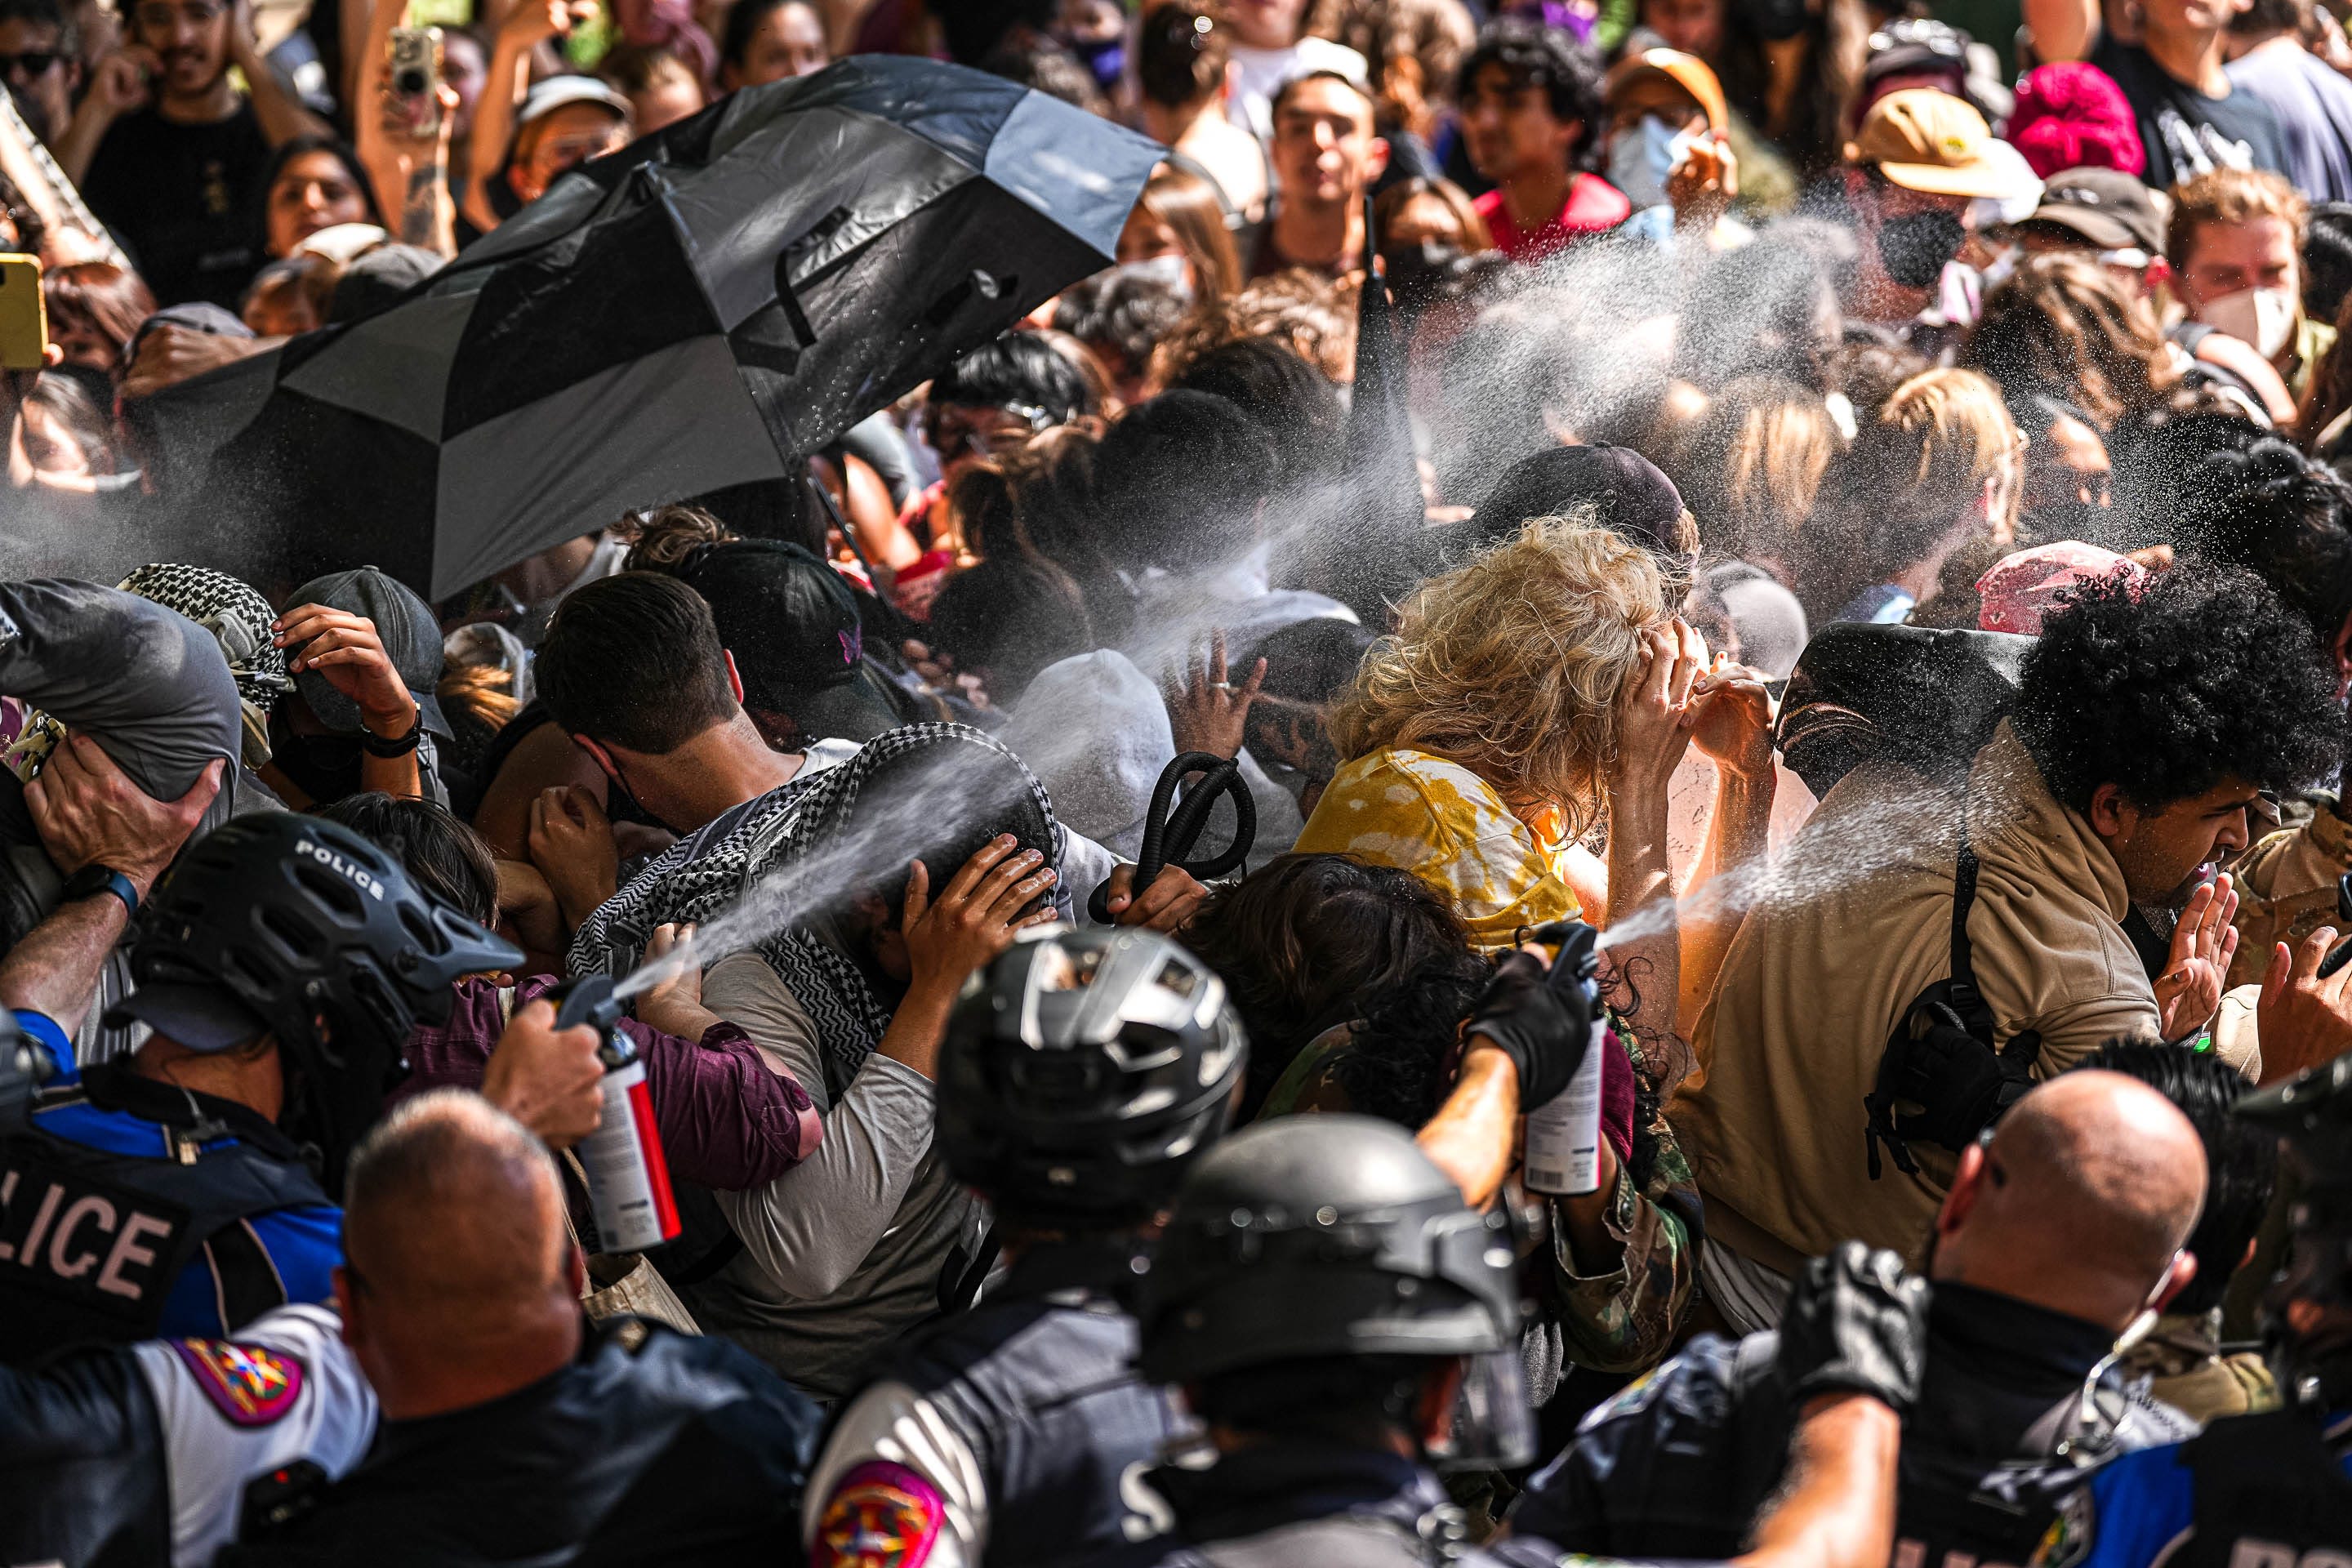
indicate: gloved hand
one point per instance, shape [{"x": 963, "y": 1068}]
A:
[
  {"x": 1541, "y": 1021},
  {"x": 1856, "y": 1324}
]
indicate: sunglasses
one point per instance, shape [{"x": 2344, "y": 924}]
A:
[{"x": 31, "y": 66}]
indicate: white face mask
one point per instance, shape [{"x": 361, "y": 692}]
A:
[
  {"x": 2262, "y": 317},
  {"x": 1174, "y": 270},
  {"x": 1640, "y": 159}
]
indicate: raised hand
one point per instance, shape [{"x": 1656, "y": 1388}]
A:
[
  {"x": 346, "y": 651},
  {"x": 975, "y": 916},
  {"x": 1651, "y": 731},
  {"x": 88, "y": 813},
  {"x": 572, "y": 844},
  {"x": 2188, "y": 992},
  {"x": 2304, "y": 1018},
  {"x": 1205, "y": 709},
  {"x": 1730, "y": 720}
]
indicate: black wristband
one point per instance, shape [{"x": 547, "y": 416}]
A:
[{"x": 375, "y": 745}]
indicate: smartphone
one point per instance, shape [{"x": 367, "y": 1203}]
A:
[
  {"x": 415, "y": 79},
  {"x": 24, "y": 315}
]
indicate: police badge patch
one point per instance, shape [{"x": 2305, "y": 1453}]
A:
[
  {"x": 881, "y": 1516},
  {"x": 250, "y": 1384},
  {"x": 2068, "y": 1539}
]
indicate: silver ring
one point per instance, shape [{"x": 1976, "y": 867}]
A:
[{"x": 1222, "y": 685}]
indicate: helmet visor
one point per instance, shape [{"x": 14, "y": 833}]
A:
[{"x": 1493, "y": 1426}]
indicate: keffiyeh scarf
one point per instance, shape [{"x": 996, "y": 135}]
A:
[
  {"x": 239, "y": 619},
  {"x": 707, "y": 873}
]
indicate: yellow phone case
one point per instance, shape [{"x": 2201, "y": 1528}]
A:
[{"x": 24, "y": 316}]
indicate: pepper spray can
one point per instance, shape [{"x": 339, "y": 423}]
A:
[
  {"x": 1561, "y": 1153},
  {"x": 628, "y": 1178}
]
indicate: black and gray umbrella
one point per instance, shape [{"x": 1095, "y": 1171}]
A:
[{"x": 702, "y": 310}]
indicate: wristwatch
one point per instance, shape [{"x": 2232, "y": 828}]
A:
[
  {"x": 93, "y": 879},
  {"x": 376, "y": 745}
]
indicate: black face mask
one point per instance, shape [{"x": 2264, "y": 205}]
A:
[
  {"x": 325, "y": 767},
  {"x": 1915, "y": 246}
]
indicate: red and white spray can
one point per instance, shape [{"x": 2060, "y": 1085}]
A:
[{"x": 628, "y": 1178}]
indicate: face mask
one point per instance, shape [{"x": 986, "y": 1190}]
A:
[
  {"x": 1917, "y": 247},
  {"x": 2262, "y": 317},
  {"x": 1174, "y": 270},
  {"x": 1640, "y": 159}
]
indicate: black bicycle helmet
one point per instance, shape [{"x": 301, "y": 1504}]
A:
[
  {"x": 1309, "y": 1237},
  {"x": 1083, "y": 1071},
  {"x": 291, "y": 926}
]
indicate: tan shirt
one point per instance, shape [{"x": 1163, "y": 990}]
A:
[{"x": 1857, "y": 922}]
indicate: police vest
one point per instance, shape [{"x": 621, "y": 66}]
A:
[
  {"x": 1044, "y": 1394},
  {"x": 2270, "y": 1493},
  {"x": 92, "y": 1241}
]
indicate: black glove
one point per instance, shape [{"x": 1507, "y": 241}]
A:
[
  {"x": 1542, "y": 1022},
  {"x": 1856, "y": 1324}
]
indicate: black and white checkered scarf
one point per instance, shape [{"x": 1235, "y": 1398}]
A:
[
  {"x": 239, "y": 619},
  {"x": 707, "y": 873}
]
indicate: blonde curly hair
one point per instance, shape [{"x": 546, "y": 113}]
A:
[{"x": 1512, "y": 665}]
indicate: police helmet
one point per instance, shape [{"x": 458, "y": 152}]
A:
[
  {"x": 272, "y": 922},
  {"x": 1324, "y": 1235},
  {"x": 2313, "y": 1111},
  {"x": 1083, "y": 1071}
]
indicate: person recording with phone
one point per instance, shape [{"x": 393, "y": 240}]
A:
[
  {"x": 171, "y": 156},
  {"x": 525, "y": 135}
]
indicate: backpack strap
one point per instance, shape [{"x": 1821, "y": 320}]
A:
[{"x": 1930, "y": 1044}]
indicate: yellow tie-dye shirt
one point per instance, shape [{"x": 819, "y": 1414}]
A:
[{"x": 1447, "y": 826}]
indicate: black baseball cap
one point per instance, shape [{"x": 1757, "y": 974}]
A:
[
  {"x": 1912, "y": 44},
  {"x": 2106, "y": 207},
  {"x": 1626, "y": 491},
  {"x": 791, "y": 624},
  {"x": 406, "y": 625}
]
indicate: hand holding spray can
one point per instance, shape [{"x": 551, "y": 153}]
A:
[
  {"x": 1562, "y": 1156},
  {"x": 628, "y": 1178}
]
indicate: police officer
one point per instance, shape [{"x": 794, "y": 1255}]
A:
[
  {"x": 182, "y": 1191},
  {"x": 1082, "y": 1073},
  {"x": 514, "y": 1430},
  {"x": 140, "y": 1453},
  {"x": 2057, "y": 1235},
  {"x": 2273, "y": 1489},
  {"x": 1341, "y": 1321}
]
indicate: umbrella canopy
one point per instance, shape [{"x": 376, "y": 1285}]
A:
[{"x": 702, "y": 310}]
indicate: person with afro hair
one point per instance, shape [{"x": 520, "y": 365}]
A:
[
  {"x": 2148, "y": 721},
  {"x": 2287, "y": 519}
]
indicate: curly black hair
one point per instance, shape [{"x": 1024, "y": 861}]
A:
[
  {"x": 1533, "y": 54},
  {"x": 2275, "y": 512},
  {"x": 2202, "y": 676}
]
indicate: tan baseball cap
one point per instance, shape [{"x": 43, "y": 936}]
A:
[{"x": 1923, "y": 139}]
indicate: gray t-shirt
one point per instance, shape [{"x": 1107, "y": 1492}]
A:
[
  {"x": 854, "y": 1246},
  {"x": 2313, "y": 106}
]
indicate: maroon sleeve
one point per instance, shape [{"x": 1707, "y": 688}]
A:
[{"x": 727, "y": 1119}]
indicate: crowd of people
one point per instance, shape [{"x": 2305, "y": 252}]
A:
[{"x": 1776, "y": 578}]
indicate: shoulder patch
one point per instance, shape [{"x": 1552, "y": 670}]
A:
[
  {"x": 2068, "y": 1539},
  {"x": 880, "y": 1515},
  {"x": 252, "y": 1386}
]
